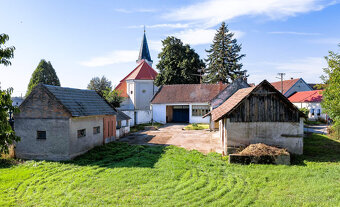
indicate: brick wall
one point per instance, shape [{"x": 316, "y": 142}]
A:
[{"x": 40, "y": 104}]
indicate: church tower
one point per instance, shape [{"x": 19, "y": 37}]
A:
[{"x": 144, "y": 53}]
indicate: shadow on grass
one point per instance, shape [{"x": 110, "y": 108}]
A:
[
  {"x": 118, "y": 154},
  {"x": 318, "y": 148},
  {"x": 6, "y": 163}
]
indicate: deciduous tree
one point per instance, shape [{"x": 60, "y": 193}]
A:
[
  {"x": 7, "y": 135},
  {"x": 6, "y": 53},
  {"x": 100, "y": 85},
  {"x": 178, "y": 64},
  {"x": 331, "y": 94},
  {"x": 113, "y": 97}
]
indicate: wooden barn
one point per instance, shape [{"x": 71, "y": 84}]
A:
[{"x": 259, "y": 114}]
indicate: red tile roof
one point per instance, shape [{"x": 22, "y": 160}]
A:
[
  {"x": 231, "y": 103},
  {"x": 142, "y": 72},
  {"x": 287, "y": 84},
  {"x": 187, "y": 93},
  {"x": 306, "y": 96}
]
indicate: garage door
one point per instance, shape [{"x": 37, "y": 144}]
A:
[{"x": 181, "y": 114}]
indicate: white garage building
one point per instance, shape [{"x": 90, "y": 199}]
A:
[{"x": 184, "y": 103}]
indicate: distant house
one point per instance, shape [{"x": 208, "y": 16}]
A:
[
  {"x": 291, "y": 86},
  {"x": 259, "y": 114},
  {"x": 123, "y": 124},
  {"x": 138, "y": 88},
  {"x": 16, "y": 101},
  {"x": 185, "y": 103},
  {"x": 57, "y": 123},
  {"x": 310, "y": 100}
]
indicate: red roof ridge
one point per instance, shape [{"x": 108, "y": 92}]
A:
[{"x": 306, "y": 96}]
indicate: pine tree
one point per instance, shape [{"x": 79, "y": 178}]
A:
[
  {"x": 178, "y": 63},
  {"x": 44, "y": 73},
  {"x": 223, "y": 58}
]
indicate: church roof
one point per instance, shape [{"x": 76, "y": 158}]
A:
[
  {"x": 144, "y": 53},
  {"x": 142, "y": 72}
]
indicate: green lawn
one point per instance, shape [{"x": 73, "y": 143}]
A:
[
  {"x": 140, "y": 127},
  {"x": 196, "y": 126},
  {"x": 120, "y": 174}
]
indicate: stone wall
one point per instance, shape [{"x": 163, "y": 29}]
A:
[
  {"x": 40, "y": 104},
  {"x": 54, "y": 147},
  {"x": 287, "y": 135},
  {"x": 83, "y": 144}
]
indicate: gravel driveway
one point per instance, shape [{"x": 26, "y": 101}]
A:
[{"x": 172, "y": 134}]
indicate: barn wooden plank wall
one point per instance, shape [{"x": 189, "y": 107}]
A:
[{"x": 264, "y": 105}]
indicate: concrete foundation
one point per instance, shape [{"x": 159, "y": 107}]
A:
[{"x": 288, "y": 135}]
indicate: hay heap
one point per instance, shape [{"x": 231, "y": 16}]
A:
[{"x": 262, "y": 150}]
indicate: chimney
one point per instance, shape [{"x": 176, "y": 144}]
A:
[{"x": 291, "y": 78}]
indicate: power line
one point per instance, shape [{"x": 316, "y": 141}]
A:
[{"x": 281, "y": 77}]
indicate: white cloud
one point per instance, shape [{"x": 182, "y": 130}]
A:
[
  {"x": 201, "y": 36},
  {"x": 119, "y": 56},
  {"x": 155, "y": 45},
  {"x": 330, "y": 41},
  {"x": 173, "y": 26},
  {"x": 212, "y": 12},
  {"x": 129, "y": 11},
  {"x": 295, "y": 33}
]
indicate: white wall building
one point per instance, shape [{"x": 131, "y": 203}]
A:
[
  {"x": 138, "y": 88},
  {"x": 184, "y": 103},
  {"x": 310, "y": 100}
]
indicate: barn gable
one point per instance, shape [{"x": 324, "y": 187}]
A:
[
  {"x": 261, "y": 103},
  {"x": 42, "y": 104}
]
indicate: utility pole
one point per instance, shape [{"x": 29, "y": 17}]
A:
[{"x": 281, "y": 77}]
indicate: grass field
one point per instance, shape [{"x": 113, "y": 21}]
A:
[
  {"x": 141, "y": 127},
  {"x": 196, "y": 126},
  {"x": 120, "y": 174}
]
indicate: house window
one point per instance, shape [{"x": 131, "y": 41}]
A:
[
  {"x": 81, "y": 133},
  {"x": 200, "y": 110},
  {"x": 312, "y": 111},
  {"x": 41, "y": 134},
  {"x": 96, "y": 130},
  {"x": 131, "y": 92},
  {"x": 318, "y": 112}
]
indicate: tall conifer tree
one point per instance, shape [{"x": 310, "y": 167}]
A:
[
  {"x": 44, "y": 73},
  {"x": 223, "y": 62}
]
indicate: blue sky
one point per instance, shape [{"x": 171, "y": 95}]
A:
[{"x": 84, "y": 39}]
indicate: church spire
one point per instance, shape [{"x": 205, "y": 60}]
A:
[{"x": 144, "y": 53}]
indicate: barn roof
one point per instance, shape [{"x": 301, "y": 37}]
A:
[
  {"x": 306, "y": 96},
  {"x": 236, "y": 99},
  {"x": 81, "y": 102},
  {"x": 187, "y": 93}
]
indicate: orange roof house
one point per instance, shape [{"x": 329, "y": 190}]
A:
[
  {"x": 306, "y": 96},
  {"x": 142, "y": 72},
  {"x": 291, "y": 86}
]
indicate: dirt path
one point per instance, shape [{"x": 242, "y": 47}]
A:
[{"x": 172, "y": 134}]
